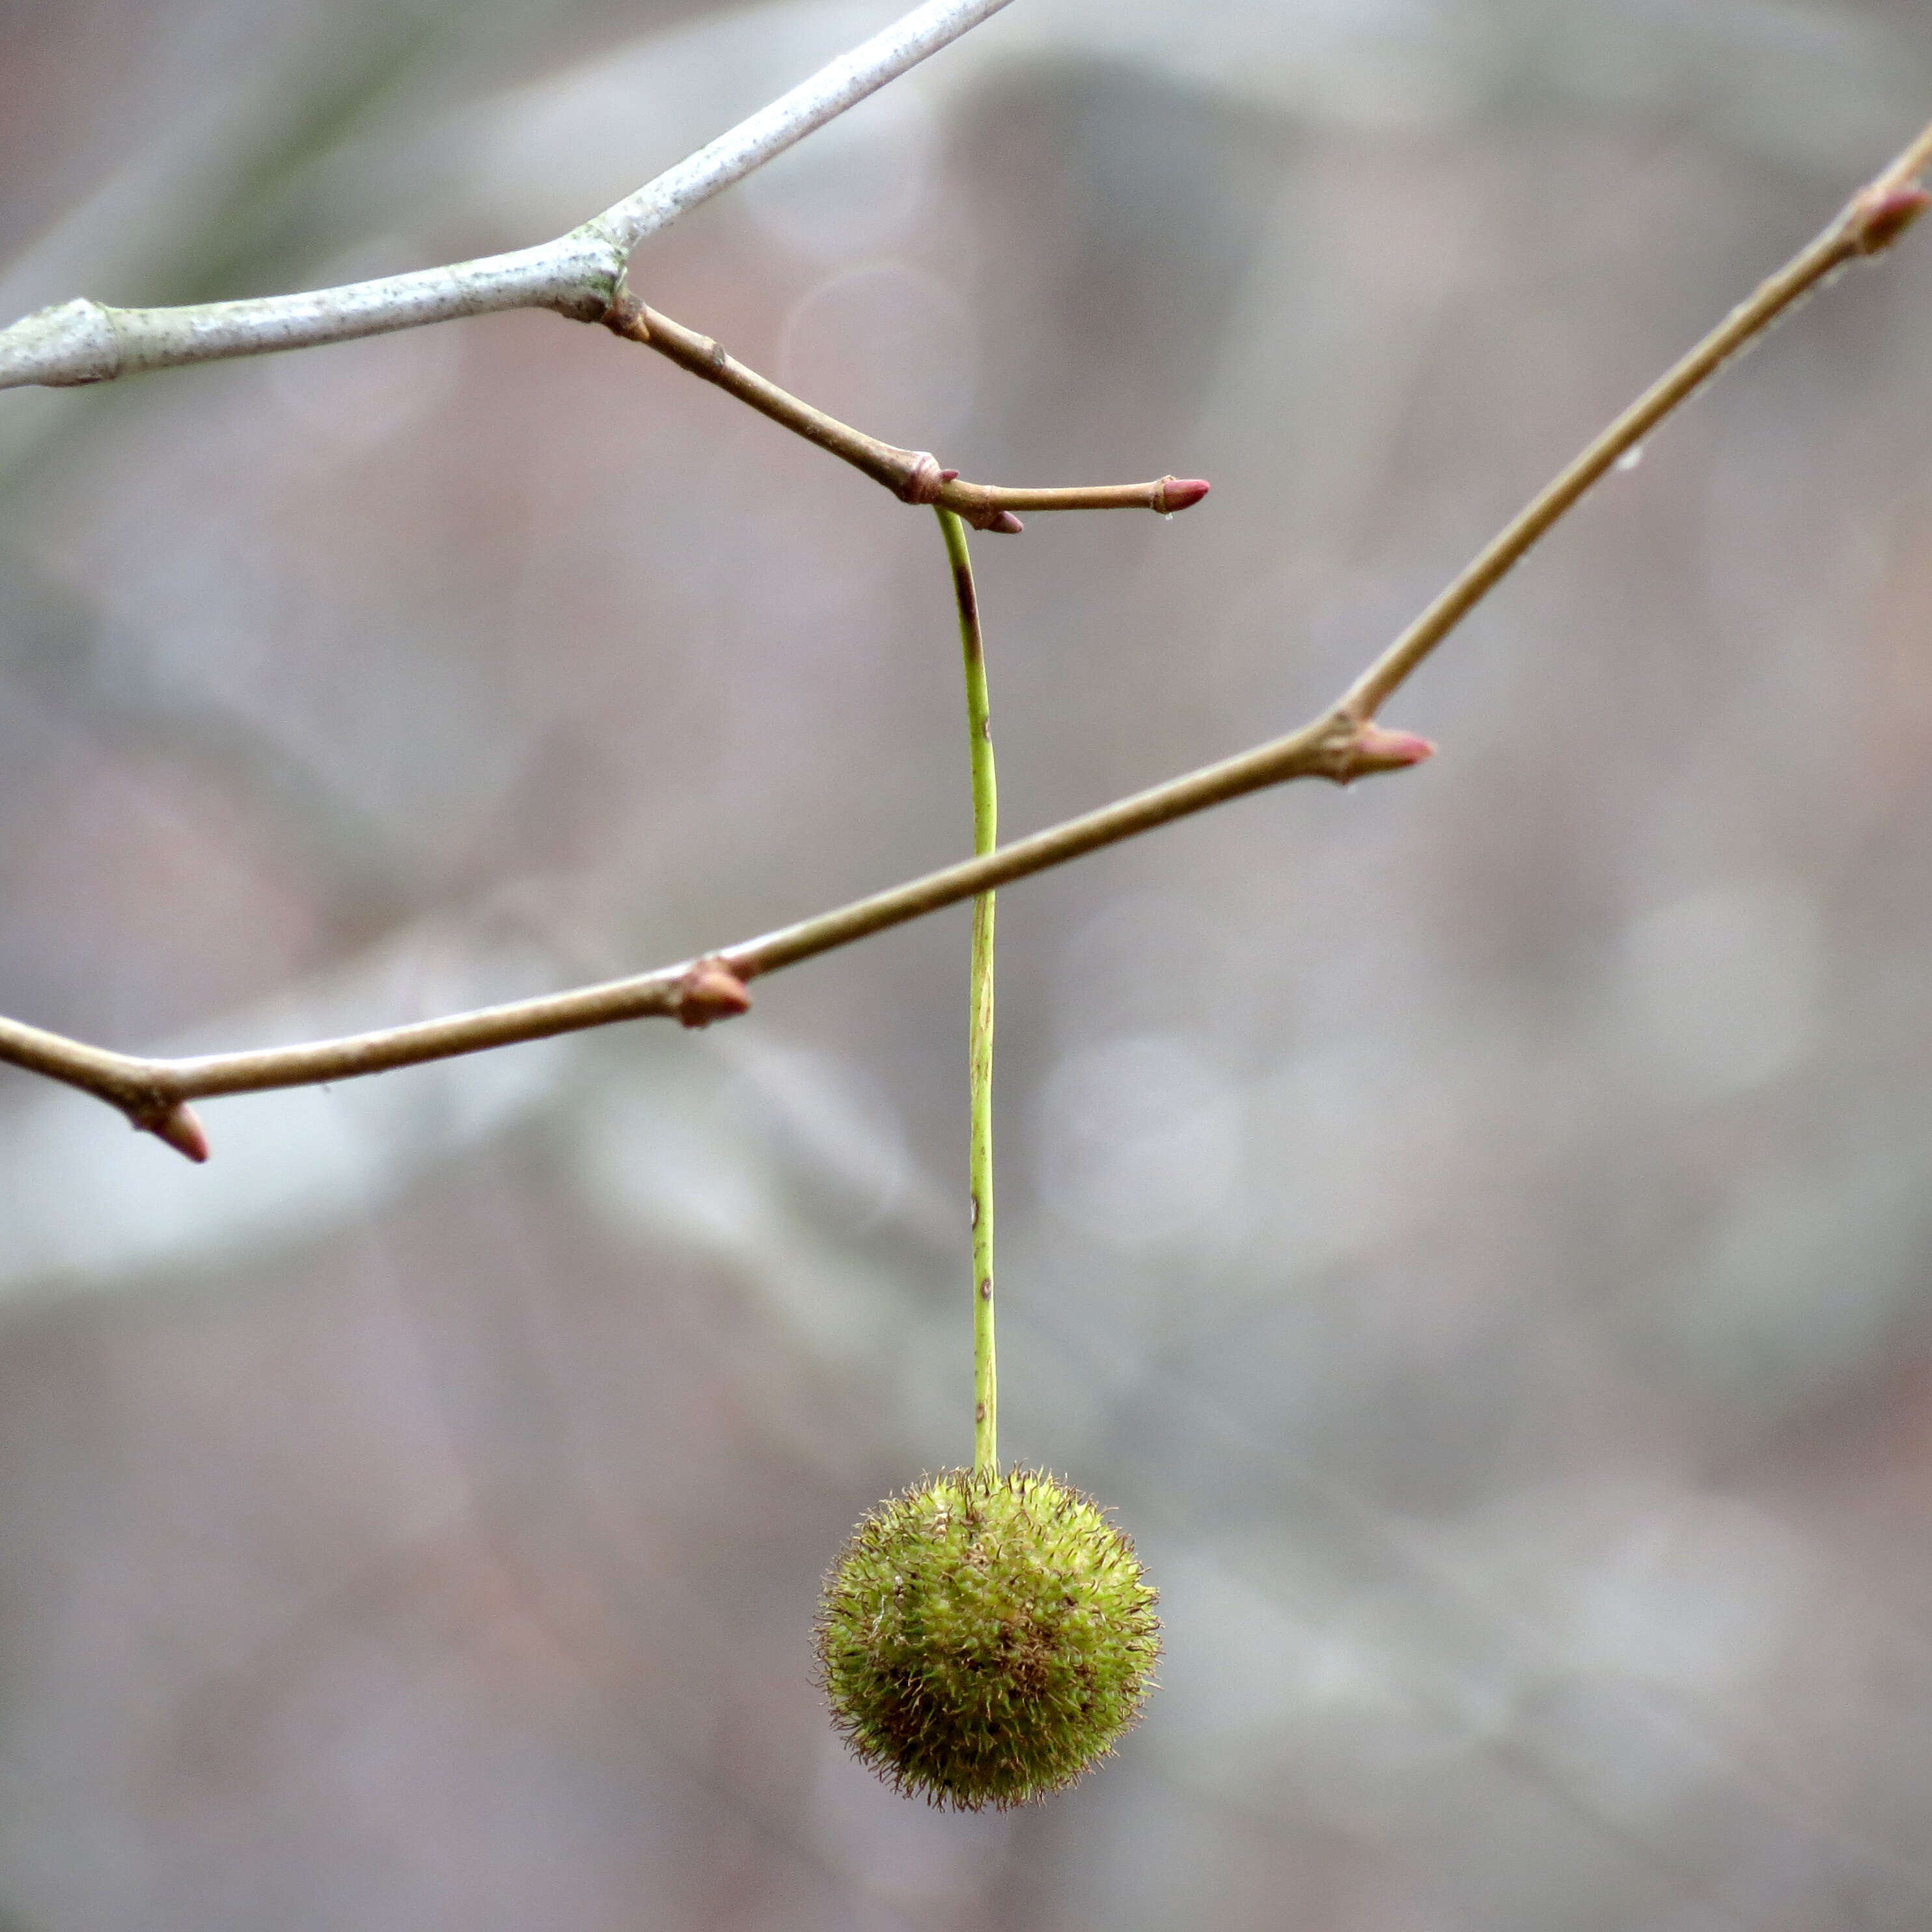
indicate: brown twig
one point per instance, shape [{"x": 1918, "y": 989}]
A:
[
  {"x": 152, "y": 1093},
  {"x": 913, "y": 475},
  {"x": 1343, "y": 743},
  {"x": 1868, "y": 224}
]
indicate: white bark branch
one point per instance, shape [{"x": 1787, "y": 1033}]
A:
[{"x": 578, "y": 275}]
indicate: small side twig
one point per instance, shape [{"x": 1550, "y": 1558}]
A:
[
  {"x": 913, "y": 475},
  {"x": 1343, "y": 743}
]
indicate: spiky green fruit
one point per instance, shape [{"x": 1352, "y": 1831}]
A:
[{"x": 983, "y": 1639}]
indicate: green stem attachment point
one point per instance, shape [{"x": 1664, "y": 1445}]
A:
[{"x": 979, "y": 1050}]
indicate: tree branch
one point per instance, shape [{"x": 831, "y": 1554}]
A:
[
  {"x": 913, "y": 475},
  {"x": 1343, "y": 743},
  {"x": 578, "y": 275}
]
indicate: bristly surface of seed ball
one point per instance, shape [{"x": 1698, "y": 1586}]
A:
[{"x": 983, "y": 1639}]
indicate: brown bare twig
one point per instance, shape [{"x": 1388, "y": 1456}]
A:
[
  {"x": 1343, "y": 743},
  {"x": 913, "y": 475}
]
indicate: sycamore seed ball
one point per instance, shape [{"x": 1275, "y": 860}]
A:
[{"x": 983, "y": 1639}]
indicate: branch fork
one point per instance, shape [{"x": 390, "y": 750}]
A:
[{"x": 83, "y": 341}]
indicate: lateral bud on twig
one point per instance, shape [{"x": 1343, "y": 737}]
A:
[
  {"x": 924, "y": 482},
  {"x": 1880, "y": 214},
  {"x": 925, "y": 479},
  {"x": 180, "y": 1126},
  {"x": 1356, "y": 749},
  {"x": 710, "y": 990}
]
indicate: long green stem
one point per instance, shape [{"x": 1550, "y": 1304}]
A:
[{"x": 980, "y": 1048}]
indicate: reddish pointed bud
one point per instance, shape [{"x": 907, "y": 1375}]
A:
[
  {"x": 1004, "y": 524},
  {"x": 181, "y": 1127},
  {"x": 948, "y": 476},
  {"x": 711, "y": 991},
  {"x": 1376, "y": 750},
  {"x": 1178, "y": 492},
  {"x": 1880, "y": 216}
]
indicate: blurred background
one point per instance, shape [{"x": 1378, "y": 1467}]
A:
[{"x": 1474, "y": 1230}]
